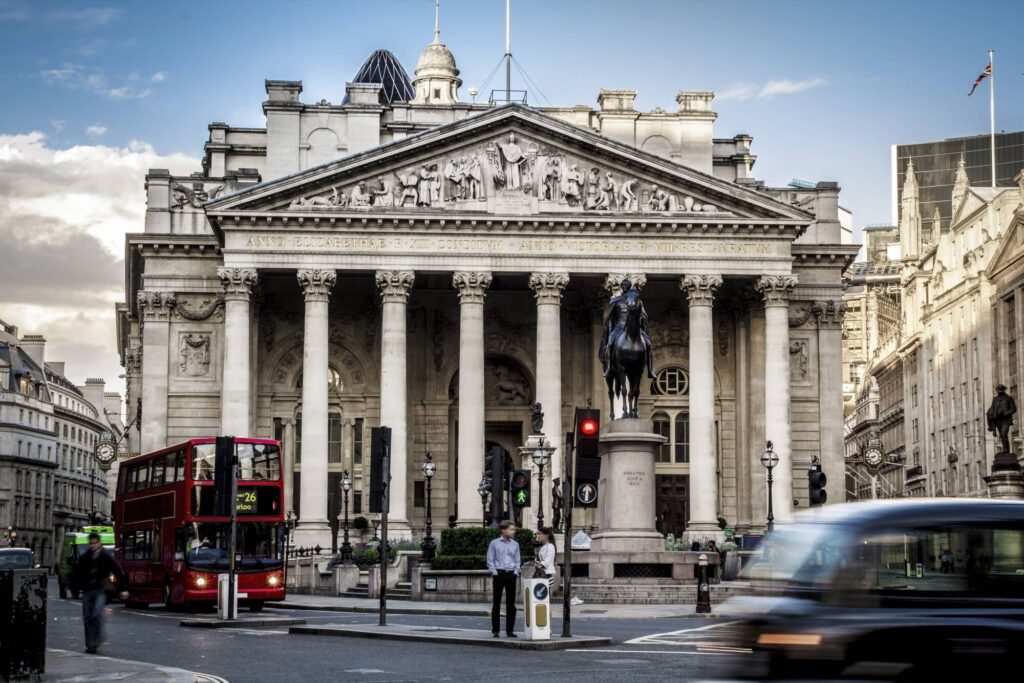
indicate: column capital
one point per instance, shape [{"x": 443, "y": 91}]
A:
[
  {"x": 613, "y": 281},
  {"x": 155, "y": 305},
  {"x": 394, "y": 285},
  {"x": 472, "y": 286},
  {"x": 237, "y": 282},
  {"x": 775, "y": 289},
  {"x": 829, "y": 313},
  {"x": 317, "y": 283},
  {"x": 547, "y": 287},
  {"x": 700, "y": 289}
]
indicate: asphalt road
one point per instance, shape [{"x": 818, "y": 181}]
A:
[{"x": 643, "y": 649}]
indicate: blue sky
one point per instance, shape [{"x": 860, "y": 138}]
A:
[{"x": 94, "y": 93}]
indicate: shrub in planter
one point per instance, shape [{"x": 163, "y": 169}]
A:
[
  {"x": 455, "y": 562},
  {"x": 473, "y": 540},
  {"x": 360, "y": 523}
]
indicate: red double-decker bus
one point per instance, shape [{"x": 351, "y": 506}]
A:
[{"x": 171, "y": 543}]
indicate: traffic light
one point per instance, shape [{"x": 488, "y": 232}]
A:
[
  {"x": 816, "y": 481},
  {"x": 494, "y": 468},
  {"x": 223, "y": 469},
  {"x": 380, "y": 443},
  {"x": 586, "y": 435},
  {"x": 519, "y": 489}
]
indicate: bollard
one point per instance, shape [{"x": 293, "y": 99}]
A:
[
  {"x": 703, "y": 587},
  {"x": 22, "y": 623}
]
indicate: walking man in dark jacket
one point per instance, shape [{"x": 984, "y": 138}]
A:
[{"x": 91, "y": 578}]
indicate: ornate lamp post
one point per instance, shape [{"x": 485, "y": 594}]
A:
[
  {"x": 429, "y": 544},
  {"x": 346, "y": 548},
  {"x": 484, "y": 489},
  {"x": 290, "y": 522},
  {"x": 770, "y": 459},
  {"x": 541, "y": 455},
  {"x": 10, "y": 536}
]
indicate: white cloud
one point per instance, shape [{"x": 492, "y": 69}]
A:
[
  {"x": 64, "y": 214},
  {"x": 769, "y": 89},
  {"x": 86, "y": 17},
  {"x": 158, "y": 77},
  {"x": 58, "y": 124},
  {"x": 92, "y": 79},
  {"x": 96, "y": 130}
]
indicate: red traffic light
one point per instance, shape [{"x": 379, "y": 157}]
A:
[
  {"x": 588, "y": 427},
  {"x": 519, "y": 479}
]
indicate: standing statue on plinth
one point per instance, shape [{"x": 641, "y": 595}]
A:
[
  {"x": 537, "y": 417},
  {"x": 557, "y": 504},
  {"x": 1000, "y": 419},
  {"x": 626, "y": 349}
]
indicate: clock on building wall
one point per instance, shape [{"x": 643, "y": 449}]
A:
[
  {"x": 105, "y": 452},
  {"x": 873, "y": 457}
]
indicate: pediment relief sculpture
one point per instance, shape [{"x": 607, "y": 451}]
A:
[{"x": 507, "y": 174}]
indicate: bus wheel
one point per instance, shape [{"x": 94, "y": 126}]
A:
[{"x": 256, "y": 606}]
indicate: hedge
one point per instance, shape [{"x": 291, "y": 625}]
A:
[
  {"x": 450, "y": 562},
  {"x": 473, "y": 540}
]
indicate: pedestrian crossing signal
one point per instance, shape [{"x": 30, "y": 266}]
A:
[{"x": 519, "y": 489}]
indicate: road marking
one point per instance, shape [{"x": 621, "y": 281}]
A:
[
  {"x": 643, "y": 652},
  {"x": 682, "y": 637}
]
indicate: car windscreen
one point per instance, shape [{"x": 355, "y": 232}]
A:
[
  {"x": 800, "y": 554},
  {"x": 16, "y": 560}
]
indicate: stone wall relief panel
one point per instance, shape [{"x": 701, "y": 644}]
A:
[
  {"x": 196, "y": 356},
  {"x": 199, "y": 307},
  {"x": 803, "y": 365},
  {"x": 508, "y": 174}
]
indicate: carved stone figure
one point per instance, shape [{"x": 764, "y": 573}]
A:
[
  {"x": 509, "y": 389},
  {"x": 626, "y": 348},
  {"x": 195, "y": 355},
  {"x": 593, "y": 189},
  {"x": 181, "y": 195},
  {"x": 573, "y": 186},
  {"x": 512, "y": 166},
  {"x": 455, "y": 177},
  {"x": 609, "y": 196},
  {"x": 627, "y": 195},
  {"x": 316, "y": 202},
  {"x": 359, "y": 196},
  {"x": 473, "y": 177},
  {"x": 553, "y": 181},
  {"x": 409, "y": 181},
  {"x": 384, "y": 194},
  {"x": 557, "y": 503},
  {"x": 798, "y": 361},
  {"x": 659, "y": 199},
  {"x": 1000, "y": 416},
  {"x": 428, "y": 189},
  {"x": 537, "y": 417}
]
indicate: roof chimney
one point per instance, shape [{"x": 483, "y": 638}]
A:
[
  {"x": 93, "y": 390},
  {"x": 35, "y": 346}
]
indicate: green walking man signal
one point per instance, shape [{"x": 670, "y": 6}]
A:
[{"x": 519, "y": 488}]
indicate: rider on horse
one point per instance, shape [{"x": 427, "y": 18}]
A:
[{"x": 615, "y": 325}]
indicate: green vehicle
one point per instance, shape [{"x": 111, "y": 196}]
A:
[{"x": 75, "y": 543}]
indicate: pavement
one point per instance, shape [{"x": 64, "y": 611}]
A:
[
  {"x": 449, "y": 635},
  {"x": 68, "y": 666},
  {"x": 587, "y": 609}
]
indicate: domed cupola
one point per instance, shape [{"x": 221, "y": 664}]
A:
[{"x": 437, "y": 78}]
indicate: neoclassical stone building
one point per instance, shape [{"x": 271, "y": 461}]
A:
[{"x": 411, "y": 260}]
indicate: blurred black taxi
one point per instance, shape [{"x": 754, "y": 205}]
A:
[{"x": 908, "y": 589}]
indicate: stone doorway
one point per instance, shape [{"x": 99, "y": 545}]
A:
[{"x": 672, "y": 502}]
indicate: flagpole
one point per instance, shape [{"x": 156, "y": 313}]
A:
[{"x": 992, "y": 114}]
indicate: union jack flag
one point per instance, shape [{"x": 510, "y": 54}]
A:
[{"x": 986, "y": 73}]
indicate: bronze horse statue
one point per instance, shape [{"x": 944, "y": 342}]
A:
[{"x": 627, "y": 358}]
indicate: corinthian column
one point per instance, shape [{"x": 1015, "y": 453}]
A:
[
  {"x": 472, "y": 288},
  {"x": 703, "y": 522},
  {"x": 236, "y": 391},
  {"x": 155, "y": 315},
  {"x": 394, "y": 288},
  {"x": 313, "y": 525},
  {"x": 830, "y": 316},
  {"x": 547, "y": 289},
  {"x": 775, "y": 289}
]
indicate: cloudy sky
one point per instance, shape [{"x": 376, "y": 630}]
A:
[{"x": 93, "y": 94}]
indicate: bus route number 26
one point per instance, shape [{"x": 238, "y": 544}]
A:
[{"x": 245, "y": 501}]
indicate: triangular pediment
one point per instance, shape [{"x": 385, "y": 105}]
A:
[
  {"x": 1009, "y": 250},
  {"x": 510, "y": 161}
]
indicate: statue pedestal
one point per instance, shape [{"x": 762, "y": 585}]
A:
[
  {"x": 626, "y": 492},
  {"x": 1006, "y": 481}
]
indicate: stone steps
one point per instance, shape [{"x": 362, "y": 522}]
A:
[{"x": 402, "y": 591}]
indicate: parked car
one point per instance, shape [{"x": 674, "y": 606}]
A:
[
  {"x": 16, "y": 558},
  {"x": 900, "y": 589},
  {"x": 74, "y": 544}
]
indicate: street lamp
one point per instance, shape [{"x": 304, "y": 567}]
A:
[
  {"x": 541, "y": 454},
  {"x": 290, "y": 522},
  {"x": 10, "y": 536},
  {"x": 429, "y": 544},
  {"x": 346, "y": 547},
  {"x": 483, "y": 489},
  {"x": 770, "y": 459}
]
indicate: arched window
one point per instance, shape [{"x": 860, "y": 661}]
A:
[
  {"x": 334, "y": 383},
  {"x": 675, "y": 427}
]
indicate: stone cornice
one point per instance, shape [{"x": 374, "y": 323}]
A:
[
  {"x": 472, "y": 286},
  {"x": 316, "y": 283},
  {"x": 776, "y": 289},
  {"x": 394, "y": 285},
  {"x": 700, "y": 289},
  {"x": 548, "y": 287},
  {"x": 237, "y": 283}
]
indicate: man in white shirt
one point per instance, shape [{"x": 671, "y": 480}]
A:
[{"x": 504, "y": 561}]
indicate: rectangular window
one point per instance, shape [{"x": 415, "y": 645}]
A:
[
  {"x": 298, "y": 439},
  {"x": 357, "y": 442},
  {"x": 334, "y": 438},
  {"x": 682, "y": 441},
  {"x": 662, "y": 427}
]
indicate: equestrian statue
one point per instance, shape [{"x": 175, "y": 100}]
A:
[{"x": 626, "y": 349}]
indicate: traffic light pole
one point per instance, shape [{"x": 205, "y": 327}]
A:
[
  {"x": 567, "y": 496},
  {"x": 385, "y": 505},
  {"x": 232, "y": 610}
]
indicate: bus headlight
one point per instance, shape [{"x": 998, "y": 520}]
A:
[
  {"x": 273, "y": 580},
  {"x": 200, "y": 582}
]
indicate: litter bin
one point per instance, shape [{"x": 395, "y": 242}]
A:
[{"x": 22, "y": 623}]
